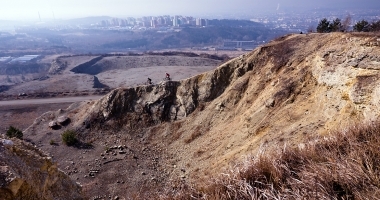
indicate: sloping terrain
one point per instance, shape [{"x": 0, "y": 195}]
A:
[
  {"x": 138, "y": 140},
  {"x": 26, "y": 173}
]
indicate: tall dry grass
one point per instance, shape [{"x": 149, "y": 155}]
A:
[{"x": 343, "y": 166}]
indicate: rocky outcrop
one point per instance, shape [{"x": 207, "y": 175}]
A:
[
  {"x": 57, "y": 66},
  {"x": 26, "y": 173},
  {"x": 168, "y": 100}
]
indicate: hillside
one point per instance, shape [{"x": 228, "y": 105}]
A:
[
  {"x": 27, "y": 173},
  {"x": 135, "y": 141}
]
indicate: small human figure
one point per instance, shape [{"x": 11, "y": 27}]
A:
[
  {"x": 167, "y": 76},
  {"x": 149, "y": 81}
]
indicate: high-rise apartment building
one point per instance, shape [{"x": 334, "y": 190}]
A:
[
  {"x": 175, "y": 21},
  {"x": 201, "y": 22}
]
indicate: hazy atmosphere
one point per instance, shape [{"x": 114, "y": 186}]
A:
[{"x": 54, "y": 9}]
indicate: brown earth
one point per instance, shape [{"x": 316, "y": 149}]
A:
[
  {"x": 22, "y": 116},
  {"x": 27, "y": 173},
  {"x": 138, "y": 141},
  {"x": 22, "y": 112}
]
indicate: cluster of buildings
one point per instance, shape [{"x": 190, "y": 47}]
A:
[{"x": 154, "y": 22}]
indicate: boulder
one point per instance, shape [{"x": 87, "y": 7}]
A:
[
  {"x": 63, "y": 120},
  {"x": 7, "y": 143},
  {"x": 54, "y": 125}
]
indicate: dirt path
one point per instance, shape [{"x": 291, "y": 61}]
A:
[
  {"x": 48, "y": 101},
  {"x": 22, "y": 113}
]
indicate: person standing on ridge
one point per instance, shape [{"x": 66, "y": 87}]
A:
[{"x": 167, "y": 76}]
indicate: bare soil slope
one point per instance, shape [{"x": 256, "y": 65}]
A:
[
  {"x": 27, "y": 173},
  {"x": 144, "y": 138}
]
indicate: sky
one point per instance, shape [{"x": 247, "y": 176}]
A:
[{"x": 66, "y": 9}]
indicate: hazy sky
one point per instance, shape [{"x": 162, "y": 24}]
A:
[{"x": 63, "y": 9}]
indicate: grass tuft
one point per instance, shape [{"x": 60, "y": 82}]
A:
[
  {"x": 69, "y": 137},
  {"x": 343, "y": 166}
]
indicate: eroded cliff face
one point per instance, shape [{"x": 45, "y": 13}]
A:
[
  {"x": 26, "y": 173},
  {"x": 168, "y": 100},
  {"x": 295, "y": 87},
  {"x": 338, "y": 70}
]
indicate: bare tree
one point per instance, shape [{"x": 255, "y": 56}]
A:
[
  {"x": 346, "y": 23},
  {"x": 310, "y": 29}
]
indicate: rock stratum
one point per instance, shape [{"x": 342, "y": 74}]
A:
[
  {"x": 27, "y": 173},
  {"x": 136, "y": 141}
]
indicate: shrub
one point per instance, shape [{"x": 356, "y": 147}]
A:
[
  {"x": 336, "y": 25},
  {"x": 194, "y": 135},
  {"x": 14, "y": 132},
  {"x": 69, "y": 137},
  {"x": 52, "y": 142}
]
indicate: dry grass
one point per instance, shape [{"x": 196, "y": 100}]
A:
[
  {"x": 281, "y": 54},
  {"x": 344, "y": 166},
  {"x": 174, "y": 129},
  {"x": 194, "y": 135},
  {"x": 345, "y": 96}
]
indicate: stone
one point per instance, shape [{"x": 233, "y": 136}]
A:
[
  {"x": 7, "y": 143},
  {"x": 54, "y": 125},
  {"x": 269, "y": 103},
  {"x": 63, "y": 120}
]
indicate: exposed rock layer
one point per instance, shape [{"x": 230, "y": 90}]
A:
[{"x": 26, "y": 173}]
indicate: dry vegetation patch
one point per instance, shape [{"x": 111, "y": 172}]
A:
[{"x": 343, "y": 166}]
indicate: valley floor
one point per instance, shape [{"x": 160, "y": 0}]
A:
[{"x": 22, "y": 116}]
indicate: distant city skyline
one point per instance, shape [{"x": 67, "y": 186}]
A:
[{"x": 66, "y": 9}]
